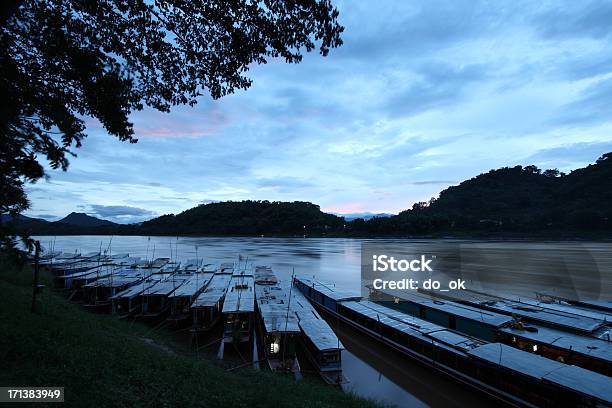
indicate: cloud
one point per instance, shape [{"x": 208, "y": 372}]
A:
[
  {"x": 206, "y": 119},
  {"x": 569, "y": 156},
  {"x": 439, "y": 85},
  {"x": 591, "y": 107},
  {"x": 283, "y": 183},
  {"x": 433, "y": 182},
  {"x": 575, "y": 19},
  {"x": 48, "y": 217},
  {"x": 122, "y": 213},
  {"x": 420, "y": 93}
]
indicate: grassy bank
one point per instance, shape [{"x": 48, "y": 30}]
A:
[{"x": 105, "y": 362}]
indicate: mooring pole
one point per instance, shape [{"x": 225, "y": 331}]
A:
[{"x": 35, "y": 283}]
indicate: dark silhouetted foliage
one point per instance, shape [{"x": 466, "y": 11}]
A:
[{"x": 62, "y": 61}]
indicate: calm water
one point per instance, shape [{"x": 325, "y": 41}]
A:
[{"x": 580, "y": 269}]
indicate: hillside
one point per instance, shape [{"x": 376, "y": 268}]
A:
[
  {"x": 247, "y": 218},
  {"x": 518, "y": 199}
]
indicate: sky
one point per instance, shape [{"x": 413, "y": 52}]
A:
[{"x": 422, "y": 95}]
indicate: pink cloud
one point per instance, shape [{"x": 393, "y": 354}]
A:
[
  {"x": 346, "y": 208},
  {"x": 183, "y": 122}
]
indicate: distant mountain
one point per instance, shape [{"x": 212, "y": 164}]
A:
[
  {"x": 364, "y": 216},
  {"x": 83, "y": 220},
  {"x": 19, "y": 219}
]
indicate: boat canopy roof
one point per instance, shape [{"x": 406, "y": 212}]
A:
[
  {"x": 165, "y": 287},
  {"x": 576, "y": 378},
  {"x": 414, "y": 326},
  {"x": 193, "y": 284},
  {"x": 278, "y": 318},
  {"x": 240, "y": 297},
  {"x": 453, "y": 308},
  {"x": 537, "y": 313},
  {"x": 216, "y": 289},
  {"x": 328, "y": 290}
]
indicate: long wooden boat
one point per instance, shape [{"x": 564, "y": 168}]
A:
[
  {"x": 183, "y": 297},
  {"x": 513, "y": 376},
  {"x": 206, "y": 309},
  {"x": 320, "y": 344},
  {"x": 238, "y": 308},
  {"x": 277, "y": 325}
]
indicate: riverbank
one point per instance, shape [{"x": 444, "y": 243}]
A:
[{"x": 102, "y": 361}]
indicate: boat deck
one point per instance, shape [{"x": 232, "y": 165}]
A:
[
  {"x": 164, "y": 288},
  {"x": 240, "y": 297},
  {"x": 214, "y": 292},
  {"x": 193, "y": 284},
  {"x": 540, "y": 314},
  {"x": 452, "y": 308},
  {"x": 413, "y": 326},
  {"x": 328, "y": 289}
]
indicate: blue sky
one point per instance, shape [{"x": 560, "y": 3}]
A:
[{"x": 421, "y": 96}]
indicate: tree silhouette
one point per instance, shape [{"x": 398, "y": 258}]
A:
[{"x": 64, "y": 61}]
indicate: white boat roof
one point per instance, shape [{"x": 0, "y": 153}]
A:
[
  {"x": 103, "y": 270},
  {"x": 165, "y": 287},
  {"x": 216, "y": 289},
  {"x": 593, "y": 314},
  {"x": 539, "y": 313},
  {"x": 319, "y": 332},
  {"x": 193, "y": 284},
  {"x": 413, "y": 325},
  {"x": 541, "y": 368},
  {"x": 312, "y": 324},
  {"x": 278, "y": 318},
  {"x": 264, "y": 275},
  {"x": 136, "y": 289},
  {"x": 454, "y": 308},
  {"x": 328, "y": 289},
  {"x": 274, "y": 308},
  {"x": 115, "y": 281},
  {"x": 240, "y": 297}
]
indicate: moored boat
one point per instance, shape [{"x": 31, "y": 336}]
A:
[
  {"x": 238, "y": 308},
  {"x": 206, "y": 309},
  {"x": 277, "y": 325}
]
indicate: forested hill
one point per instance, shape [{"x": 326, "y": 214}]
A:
[
  {"x": 517, "y": 199},
  {"x": 510, "y": 200},
  {"x": 247, "y": 218}
]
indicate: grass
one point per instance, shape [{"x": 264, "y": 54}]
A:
[{"x": 102, "y": 361}]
